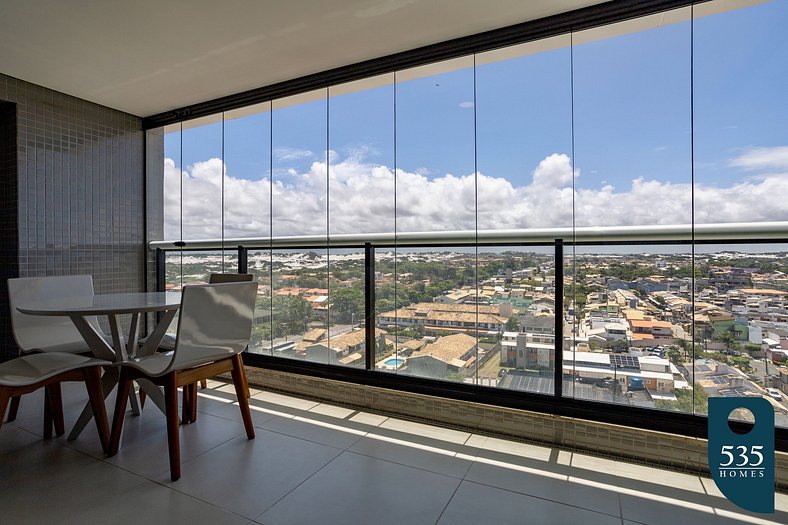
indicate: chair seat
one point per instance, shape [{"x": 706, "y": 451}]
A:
[
  {"x": 152, "y": 365},
  {"x": 167, "y": 342},
  {"x": 30, "y": 369},
  {"x": 77, "y": 347}
]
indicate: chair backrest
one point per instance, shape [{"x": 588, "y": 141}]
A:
[
  {"x": 47, "y": 333},
  {"x": 218, "y": 278},
  {"x": 215, "y": 323}
]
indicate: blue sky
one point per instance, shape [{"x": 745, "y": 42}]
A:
[{"x": 630, "y": 98}]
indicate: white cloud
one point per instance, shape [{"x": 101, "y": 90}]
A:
[
  {"x": 362, "y": 200},
  {"x": 762, "y": 158},
  {"x": 288, "y": 154},
  {"x": 466, "y": 104}
]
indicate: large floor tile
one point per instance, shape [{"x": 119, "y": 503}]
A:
[
  {"x": 247, "y": 477},
  {"x": 429, "y": 431},
  {"x": 331, "y": 410},
  {"x": 513, "y": 448},
  {"x": 544, "y": 486},
  {"x": 12, "y": 438},
  {"x": 652, "y": 475},
  {"x": 475, "y": 504},
  {"x": 360, "y": 489},
  {"x": 154, "y": 504},
  {"x": 45, "y": 481},
  {"x": 651, "y": 509},
  {"x": 314, "y": 429},
  {"x": 144, "y": 451},
  {"x": 225, "y": 406},
  {"x": 414, "y": 455},
  {"x": 367, "y": 418},
  {"x": 285, "y": 401}
]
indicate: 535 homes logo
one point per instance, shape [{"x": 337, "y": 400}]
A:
[{"x": 742, "y": 465}]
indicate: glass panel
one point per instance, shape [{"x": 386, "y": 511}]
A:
[
  {"x": 247, "y": 204},
  {"x": 436, "y": 187},
  {"x": 202, "y": 178},
  {"x": 524, "y": 136},
  {"x": 300, "y": 305},
  {"x": 187, "y": 267},
  {"x": 632, "y": 122},
  {"x": 299, "y": 165},
  {"x": 247, "y": 181},
  {"x": 172, "y": 183},
  {"x": 433, "y": 329},
  {"x": 741, "y": 311},
  {"x": 631, "y": 317},
  {"x": 517, "y": 286},
  {"x": 361, "y": 134},
  {"x": 346, "y": 339},
  {"x": 259, "y": 261},
  {"x": 741, "y": 119}
]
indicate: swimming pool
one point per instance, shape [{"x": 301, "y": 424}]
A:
[{"x": 393, "y": 362}]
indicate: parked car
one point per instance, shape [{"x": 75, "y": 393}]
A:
[{"x": 775, "y": 394}]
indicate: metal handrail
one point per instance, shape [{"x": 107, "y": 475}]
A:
[{"x": 760, "y": 231}]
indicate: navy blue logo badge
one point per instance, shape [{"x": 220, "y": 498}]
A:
[{"x": 742, "y": 465}]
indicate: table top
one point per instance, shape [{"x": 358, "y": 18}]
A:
[{"x": 105, "y": 304}]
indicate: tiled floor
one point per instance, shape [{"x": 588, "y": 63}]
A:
[{"x": 316, "y": 463}]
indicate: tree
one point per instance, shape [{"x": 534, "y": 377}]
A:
[
  {"x": 513, "y": 324},
  {"x": 731, "y": 344},
  {"x": 695, "y": 401},
  {"x": 381, "y": 346},
  {"x": 456, "y": 376},
  {"x": 347, "y": 304},
  {"x": 674, "y": 355},
  {"x": 752, "y": 348},
  {"x": 294, "y": 312}
]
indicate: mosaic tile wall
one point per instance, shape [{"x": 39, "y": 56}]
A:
[
  {"x": 81, "y": 190},
  {"x": 601, "y": 439}
]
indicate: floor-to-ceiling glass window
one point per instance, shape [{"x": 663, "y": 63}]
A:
[
  {"x": 524, "y": 149},
  {"x": 435, "y": 192},
  {"x": 606, "y": 138},
  {"x": 247, "y": 205},
  {"x": 741, "y": 176},
  {"x": 299, "y": 202},
  {"x": 631, "y": 89}
]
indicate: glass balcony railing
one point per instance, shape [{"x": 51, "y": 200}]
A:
[{"x": 652, "y": 318}]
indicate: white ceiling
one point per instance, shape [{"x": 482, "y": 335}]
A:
[{"x": 149, "y": 56}]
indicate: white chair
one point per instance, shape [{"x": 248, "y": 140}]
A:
[
  {"x": 37, "y": 334},
  {"x": 168, "y": 343},
  {"x": 30, "y": 372},
  {"x": 214, "y": 328}
]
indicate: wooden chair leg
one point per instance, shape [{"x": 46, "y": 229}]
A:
[
  {"x": 143, "y": 397},
  {"x": 95, "y": 394},
  {"x": 185, "y": 405},
  {"x": 193, "y": 405},
  {"x": 173, "y": 437},
  {"x": 246, "y": 381},
  {"x": 4, "y": 398},
  {"x": 56, "y": 405},
  {"x": 203, "y": 383},
  {"x": 13, "y": 410},
  {"x": 124, "y": 384},
  {"x": 239, "y": 380},
  {"x": 48, "y": 420}
]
